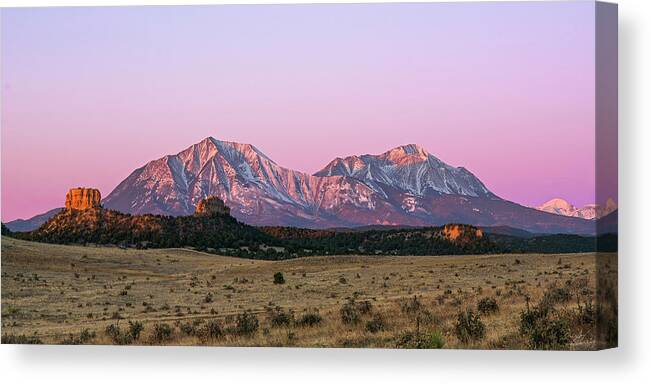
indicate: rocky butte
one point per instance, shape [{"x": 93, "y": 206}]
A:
[
  {"x": 83, "y": 198},
  {"x": 461, "y": 232},
  {"x": 210, "y": 206}
]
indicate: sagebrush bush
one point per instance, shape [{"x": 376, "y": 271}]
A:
[
  {"x": 210, "y": 330},
  {"x": 364, "y": 307},
  {"x": 376, "y": 324},
  {"x": 417, "y": 340},
  {"x": 425, "y": 317},
  {"x": 410, "y": 306},
  {"x": 20, "y": 339},
  {"x": 350, "y": 313},
  {"x": 469, "y": 327},
  {"x": 309, "y": 320},
  {"x": 85, "y": 336},
  {"x": 487, "y": 305},
  {"x": 279, "y": 278},
  {"x": 116, "y": 335},
  {"x": 556, "y": 295},
  {"x": 162, "y": 333},
  {"x": 586, "y": 313},
  {"x": 187, "y": 329},
  {"x": 542, "y": 330},
  {"x": 279, "y": 318},
  {"x": 246, "y": 324},
  {"x": 135, "y": 328}
]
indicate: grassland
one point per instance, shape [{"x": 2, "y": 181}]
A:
[{"x": 106, "y": 295}]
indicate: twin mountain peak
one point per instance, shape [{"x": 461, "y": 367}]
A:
[
  {"x": 385, "y": 189},
  {"x": 404, "y": 186}
]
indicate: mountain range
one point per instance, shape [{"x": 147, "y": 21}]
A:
[
  {"x": 26, "y": 225},
  {"x": 404, "y": 186},
  {"x": 591, "y": 211}
]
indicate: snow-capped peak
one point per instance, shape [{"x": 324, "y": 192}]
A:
[
  {"x": 408, "y": 168},
  {"x": 409, "y": 151},
  {"x": 558, "y": 206},
  {"x": 562, "y": 207}
]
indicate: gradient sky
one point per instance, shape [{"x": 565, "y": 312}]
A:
[{"x": 506, "y": 90}]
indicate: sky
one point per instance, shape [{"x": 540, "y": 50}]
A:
[{"x": 506, "y": 90}]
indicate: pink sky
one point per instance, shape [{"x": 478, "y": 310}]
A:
[{"x": 505, "y": 90}]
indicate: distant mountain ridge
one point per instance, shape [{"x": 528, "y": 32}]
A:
[
  {"x": 404, "y": 186},
  {"x": 589, "y": 212},
  {"x": 25, "y": 225}
]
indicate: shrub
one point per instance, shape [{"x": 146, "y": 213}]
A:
[
  {"x": 162, "y": 333},
  {"x": 246, "y": 324},
  {"x": 436, "y": 340},
  {"x": 469, "y": 327},
  {"x": 85, "y": 336},
  {"x": 20, "y": 339},
  {"x": 426, "y": 317},
  {"x": 350, "y": 313},
  {"x": 410, "y": 306},
  {"x": 279, "y": 278},
  {"x": 416, "y": 340},
  {"x": 376, "y": 324},
  {"x": 114, "y": 332},
  {"x": 487, "y": 305},
  {"x": 135, "y": 328},
  {"x": 364, "y": 307},
  {"x": 280, "y": 318},
  {"x": 542, "y": 331},
  {"x": 586, "y": 314},
  {"x": 555, "y": 295},
  {"x": 188, "y": 329},
  {"x": 310, "y": 320},
  {"x": 211, "y": 330}
]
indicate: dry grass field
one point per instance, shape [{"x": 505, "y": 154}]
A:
[{"x": 102, "y": 295}]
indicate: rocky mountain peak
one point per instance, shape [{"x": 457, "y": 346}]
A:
[
  {"x": 406, "y": 152},
  {"x": 557, "y": 205}
]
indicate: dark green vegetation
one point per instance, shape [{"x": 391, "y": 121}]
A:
[
  {"x": 413, "y": 241},
  {"x": 212, "y": 229},
  {"x": 5, "y": 230},
  {"x": 102, "y": 226},
  {"x": 560, "y": 243},
  {"x": 279, "y": 278}
]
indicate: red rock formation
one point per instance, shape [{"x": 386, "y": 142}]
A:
[
  {"x": 453, "y": 231},
  {"x": 83, "y": 198},
  {"x": 212, "y": 205}
]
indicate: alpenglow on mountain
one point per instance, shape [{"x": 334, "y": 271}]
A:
[
  {"x": 410, "y": 169},
  {"x": 591, "y": 211},
  {"x": 404, "y": 186}
]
